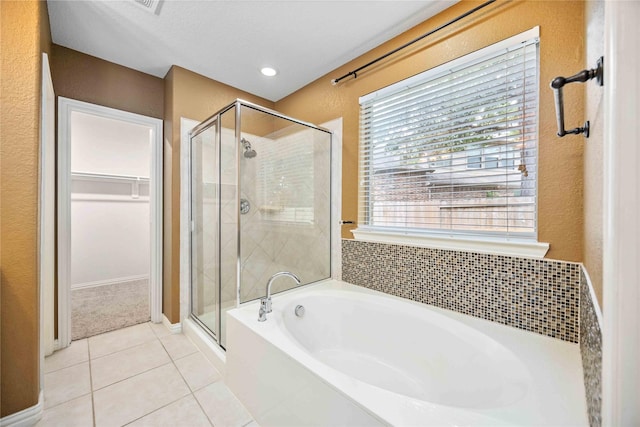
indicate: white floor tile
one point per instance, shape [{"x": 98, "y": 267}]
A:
[
  {"x": 184, "y": 412},
  {"x": 74, "y": 413},
  {"x": 221, "y": 406},
  {"x": 128, "y": 400},
  {"x": 77, "y": 352},
  {"x": 118, "y": 366},
  {"x": 111, "y": 342},
  {"x": 178, "y": 345},
  {"x": 197, "y": 370},
  {"x": 66, "y": 384},
  {"x": 160, "y": 329}
]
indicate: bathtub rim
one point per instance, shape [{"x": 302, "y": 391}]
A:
[{"x": 399, "y": 406}]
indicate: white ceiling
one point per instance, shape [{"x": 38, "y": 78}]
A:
[{"x": 229, "y": 41}]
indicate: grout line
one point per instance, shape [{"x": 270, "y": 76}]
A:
[
  {"x": 156, "y": 410},
  {"x": 132, "y": 376},
  {"x": 171, "y": 360},
  {"x": 130, "y": 346},
  {"x": 201, "y": 407},
  {"x": 124, "y": 349},
  {"x": 191, "y": 391},
  {"x": 189, "y": 386},
  {"x": 65, "y": 367},
  {"x": 93, "y": 406},
  {"x": 66, "y": 401},
  {"x": 164, "y": 364}
]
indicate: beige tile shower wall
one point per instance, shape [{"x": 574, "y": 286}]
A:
[
  {"x": 531, "y": 294},
  {"x": 286, "y": 228}
]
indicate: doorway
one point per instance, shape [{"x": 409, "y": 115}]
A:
[{"x": 109, "y": 219}]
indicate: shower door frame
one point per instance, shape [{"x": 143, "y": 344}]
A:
[
  {"x": 196, "y": 130},
  {"x": 187, "y": 203}
]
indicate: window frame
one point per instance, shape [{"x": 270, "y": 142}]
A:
[{"x": 478, "y": 241}]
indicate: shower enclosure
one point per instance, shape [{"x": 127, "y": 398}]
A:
[{"x": 260, "y": 204}]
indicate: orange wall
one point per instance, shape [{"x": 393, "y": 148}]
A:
[
  {"x": 196, "y": 97},
  {"x": 24, "y": 35},
  {"x": 87, "y": 78},
  {"x": 561, "y": 24}
]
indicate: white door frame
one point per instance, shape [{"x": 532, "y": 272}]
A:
[
  {"x": 65, "y": 107},
  {"x": 47, "y": 215},
  {"x": 621, "y": 239}
]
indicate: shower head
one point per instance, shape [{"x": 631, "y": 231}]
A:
[{"x": 249, "y": 153}]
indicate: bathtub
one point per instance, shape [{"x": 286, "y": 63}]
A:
[{"x": 360, "y": 357}]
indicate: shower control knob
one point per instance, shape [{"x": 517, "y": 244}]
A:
[
  {"x": 299, "y": 310},
  {"x": 245, "y": 206}
]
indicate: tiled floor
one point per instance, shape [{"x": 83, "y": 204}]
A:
[{"x": 138, "y": 376}]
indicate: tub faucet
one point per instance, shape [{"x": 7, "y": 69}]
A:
[{"x": 265, "y": 302}]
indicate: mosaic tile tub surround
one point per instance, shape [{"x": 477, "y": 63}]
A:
[
  {"x": 535, "y": 295},
  {"x": 591, "y": 351}
]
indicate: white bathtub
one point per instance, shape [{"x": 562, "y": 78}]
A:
[{"x": 359, "y": 357}]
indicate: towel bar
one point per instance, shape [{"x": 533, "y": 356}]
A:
[{"x": 558, "y": 83}]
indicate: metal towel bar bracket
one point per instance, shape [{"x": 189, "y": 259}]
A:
[{"x": 558, "y": 83}]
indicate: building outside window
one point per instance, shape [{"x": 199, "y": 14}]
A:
[{"x": 454, "y": 150}]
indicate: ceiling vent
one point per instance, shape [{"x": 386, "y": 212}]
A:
[{"x": 152, "y": 6}]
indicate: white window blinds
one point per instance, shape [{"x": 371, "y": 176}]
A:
[{"x": 454, "y": 149}]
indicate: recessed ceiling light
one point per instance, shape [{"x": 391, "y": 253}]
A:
[{"x": 268, "y": 71}]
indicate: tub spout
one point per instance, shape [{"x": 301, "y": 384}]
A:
[{"x": 265, "y": 302}]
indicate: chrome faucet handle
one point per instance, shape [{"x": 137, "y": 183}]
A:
[
  {"x": 265, "y": 307},
  {"x": 267, "y": 304}
]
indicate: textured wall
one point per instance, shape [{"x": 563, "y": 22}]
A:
[
  {"x": 25, "y": 35},
  {"x": 87, "y": 78},
  {"x": 196, "y": 97},
  {"x": 593, "y": 156},
  {"x": 561, "y": 52}
]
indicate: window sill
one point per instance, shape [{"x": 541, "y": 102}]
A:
[{"x": 512, "y": 247}]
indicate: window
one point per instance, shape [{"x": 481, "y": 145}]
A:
[
  {"x": 285, "y": 178},
  {"x": 454, "y": 150}
]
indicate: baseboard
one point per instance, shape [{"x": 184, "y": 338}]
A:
[
  {"x": 116, "y": 281},
  {"x": 27, "y": 417},
  {"x": 174, "y": 328}
]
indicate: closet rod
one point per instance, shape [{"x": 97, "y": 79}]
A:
[
  {"x": 104, "y": 176},
  {"x": 355, "y": 72}
]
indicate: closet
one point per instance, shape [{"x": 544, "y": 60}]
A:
[{"x": 110, "y": 216}]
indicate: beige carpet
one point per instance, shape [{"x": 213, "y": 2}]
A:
[{"x": 108, "y": 307}]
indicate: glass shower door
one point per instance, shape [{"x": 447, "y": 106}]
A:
[{"x": 205, "y": 226}]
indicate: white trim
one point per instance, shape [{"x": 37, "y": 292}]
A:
[
  {"x": 207, "y": 346},
  {"x": 27, "y": 417},
  {"x": 46, "y": 216},
  {"x": 156, "y": 214},
  {"x": 533, "y": 34},
  {"x": 621, "y": 222},
  {"x": 484, "y": 245},
  {"x": 335, "y": 126},
  {"x": 64, "y": 225},
  {"x": 174, "y": 328},
  {"x": 65, "y": 107},
  {"x": 185, "y": 216},
  {"x": 107, "y": 282}
]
